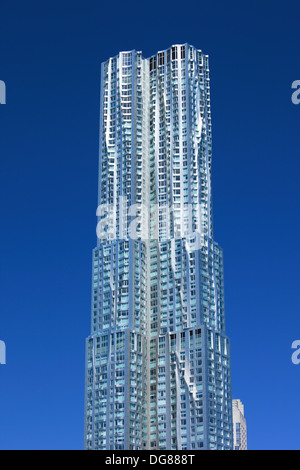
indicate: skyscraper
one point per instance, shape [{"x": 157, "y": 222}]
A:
[
  {"x": 157, "y": 359},
  {"x": 239, "y": 426}
]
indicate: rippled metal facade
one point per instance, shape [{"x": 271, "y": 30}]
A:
[{"x": 157, "y": 359}]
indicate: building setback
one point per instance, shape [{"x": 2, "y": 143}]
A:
[{"x": 158, "y": 358}]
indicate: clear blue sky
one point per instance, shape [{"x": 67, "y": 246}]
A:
[{"x": 50, "y": 60}]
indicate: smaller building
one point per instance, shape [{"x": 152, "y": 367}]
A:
[{"x": 239, "y": 426}]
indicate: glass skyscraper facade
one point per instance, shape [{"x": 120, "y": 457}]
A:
[{"x": 157, "y": 359}]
